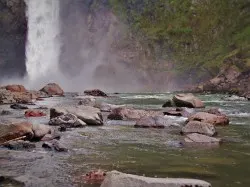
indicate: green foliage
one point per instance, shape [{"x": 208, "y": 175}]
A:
[{"x": 200, "y": 33}]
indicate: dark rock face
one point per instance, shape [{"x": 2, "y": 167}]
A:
[
  {"x": 13, "y": 30},
  {"x": 95, "y": 92}
]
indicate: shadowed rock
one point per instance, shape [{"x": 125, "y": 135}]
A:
[{"x": 187, "y": 100}]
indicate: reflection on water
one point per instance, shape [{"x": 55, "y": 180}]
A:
[{"x": 157, "y": 153}]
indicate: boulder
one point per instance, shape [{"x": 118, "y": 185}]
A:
[
  {"x": 23, "y": 97},
  {"x": 34, "y": 113},
  {"x": 40, "y": 131},
  {"x": 67, "y": 121},
  {"x": 209, "y": 118},
  {"x": 184, "y": 112},
  {"x": 147, "y": 122},
  {"x": 5, "y": 113},
  {"x": 117, "y": 179},
  {"x": 199, "y": 127},
  {"x": 130, "y": 114},
  {"x": 88, "y": 101},
  {"x": 215, "y": 111},
  {"x": 200, "y": 138},
  {"x": 6, "y": 97},
  {"x": 94, "y": 177},
  {"x": 55, "y": 145},
  {"x": 14, "y": 131},
  {"x": 53, "y": 89},
  {"x": 162, "y": 121},
  {"x": 20, "y": 145},
  {"x": 95, "y": 92},
  {"x": 88, "y": 114},
  {"x": 15, "y": 88},
  {"x": 168, "y": 103},
  {"x": 187, "y": 100},
  {"x": 18, "y": 107}
]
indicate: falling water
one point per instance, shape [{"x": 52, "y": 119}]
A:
[{"x": 43, "y": 45}]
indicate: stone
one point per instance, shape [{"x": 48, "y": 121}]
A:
[
  {"x": 162, "y": 121},
  {"x": 130, "y": 114},
  {"x": 94, "y": 177},
  {"x": 67, "y": 121},
  {"x": 5, "y": 113},
  {"x": 18, "y": 107},
  {"x": 88, "y": 114},
  {"x": 34, "y": 113},
  {"x": 168, "y": 103},
  {"x": 15, "y": 88},
  {"x": 53, "y": 89},
  {"x": 118, "y": 179},
  {"x": 95, "y": 92},
  {"x": 210, "y": 118},
  {"x": 235, "y": 98},
  {"x": 200, "y": 138},
  {"x": 187, "y": 100},
  {"x": 40, "y": 130},
  {"x": 6, "y": 97},
  {"x": 55, "y": 145},
  {"x": 20, "y": 145},
  {"x": 87, "y": 101},
  {"x": 147, "y": 122},
  {"x": 14, "y": 131},
  {"x": 199, "y": 127},
  {"x": 215, "y": 111}
]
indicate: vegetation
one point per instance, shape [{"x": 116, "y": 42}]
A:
[{"x": 195, "y": 35}]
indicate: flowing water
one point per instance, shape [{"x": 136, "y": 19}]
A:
[{"x": 153, "y": 152}]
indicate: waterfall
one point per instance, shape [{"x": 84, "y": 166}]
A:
[{"x": 43, "y": 42}]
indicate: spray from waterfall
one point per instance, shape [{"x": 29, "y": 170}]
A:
[{"x": 43, "y": 42}]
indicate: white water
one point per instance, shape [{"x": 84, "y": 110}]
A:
[{"x": 43, "y": 42}]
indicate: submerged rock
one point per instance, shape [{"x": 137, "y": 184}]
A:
[
  {"x": 200, "y": 138},
  {"x": 18, "y": 107},
  {"x": 5, "y": 113},
  {"x": 184, "y": 112},
  {"x": 210, "y": 118},
  {"x": 147, "y": 122},
  {"x": 40, "y": 131},
  {"x": 95, "y": 92},
  {"x": 20, "y": 145},
  {"x": 67, "y": 121},
  {"x": 118, "y": 179},
  {"x": 55, "y": 145},
  {"x": 199, "y": 127},
  {"x": 53, "y": 89},
  {"x": 187, "y": 100}
]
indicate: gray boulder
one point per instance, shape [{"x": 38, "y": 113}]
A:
[
  {"x": 187, "y": 100},
  {"x": 68, "y": 121},
  {"x": 117, "y": 179},
  {"x": 41, "y": 130},
  {"x": 199, "y": 127}
]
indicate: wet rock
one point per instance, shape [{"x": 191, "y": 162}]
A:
[
  {"x": 235, "y": 98},
  {"x": 117, "y": 179},
  {"x": 199, "y": 127},
  {"x": 87, "y": 101},
  {"x": 67, "y": 121},
  {"x": 14, "y": 131},
  {"x": 209, "y": 118},
  {"x": 215, "y": 111},
  {"x": 23, "y": 97},
  {"x": 55, "y": 145},
  {"x": 38, "y": 95},
  {"x": 148, "y": 122},
  {"x": 200, "y": 138},
  {"x": 40, "y": 130},
  {"x": 105, "y": 107},
  {"x": 95, "y": 92},
  {"x": 130, "y": 114},
  {"x": 187, "y": 100},
  {"x": 34, "y": 113},
  {"x": 6, "y": 97},
  {"x": 168, "y": 103},
  {"x": 162, "y": 121},
  {"x": 88, "y": 114},
  {"x": 184, "y": 112},
  {"x": 15, "y": 88},
  {"x": 18, "y": 107},
  {"x": 5, "y": 113},
  {"x": 20, "y": 145},
  {"x": 53, "y": 89},
  {"x": 94, "y": 177},
  {"x": 52, "y": 136}
]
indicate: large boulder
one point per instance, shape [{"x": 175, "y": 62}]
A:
[
  {"x": 200, "y": 138},
  {"x": 184, "y": 112},
  {"x": 130, "y": 114},
  {"x": 199, "y": 127},
  {"x": 15, "y": 88},
  {"x": 210, "y": 118},
  {"x": 95, "y": 92},
  {"x": 67, "y": 121},
  {"x": 117, "y": 179},
  {"x": 6, "y": 97},
  {"x": 88, "y": 114},
  {"x": 187, "y": 100},
  {"x": 53, "y": 89},
  {"x": 41, "y": 130},
  {"x": 14, "y": 131},
  {"x": 148, "y": 122}
]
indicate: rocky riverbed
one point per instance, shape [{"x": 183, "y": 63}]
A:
[{"x": 108, "y": 140}]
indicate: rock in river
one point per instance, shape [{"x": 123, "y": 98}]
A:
[
  {"x": 200, "y": 138},
  {"x": 67, "y": 121},
  {"x": 34, "y": 113},
  {"x": 209, "y": 118},
  {"x": 95, "y": 92},
  {"x": 187, "y": 100},
  {"x": 118, "y": 179},
  {"x": 53, "y": 89},
  {"x": 199, "y": 127},
  {"x": 18, "y": 106}
]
